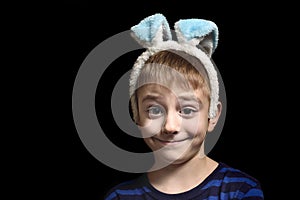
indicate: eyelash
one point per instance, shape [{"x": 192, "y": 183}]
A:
[
  {"x": 156, "y": 111},
  {"x": 150, "y": 110},
  {"x": 192, "y": 110}
]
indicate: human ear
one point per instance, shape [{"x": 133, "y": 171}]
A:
[{"x": 212, "y": 122}]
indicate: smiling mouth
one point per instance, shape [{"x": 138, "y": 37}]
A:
[{"x": 166, "y": 142}]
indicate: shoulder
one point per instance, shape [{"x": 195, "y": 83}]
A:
[
  {"x": 235, "y": 175},
  {"x": 129, "y": 189},
  {"x": 235, "y": 181}
]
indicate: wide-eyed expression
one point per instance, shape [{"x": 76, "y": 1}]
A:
[{"x": 173, "y": 122}]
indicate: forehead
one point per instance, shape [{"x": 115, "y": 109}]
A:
[{"x": 154, "y": 91}]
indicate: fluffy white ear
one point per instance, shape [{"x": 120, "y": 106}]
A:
[
  {"x": 198, "y": 32},
  {"x": 151, "y": 30}
]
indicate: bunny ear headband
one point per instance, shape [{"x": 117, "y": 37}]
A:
[{"x": 154, "y": 34}]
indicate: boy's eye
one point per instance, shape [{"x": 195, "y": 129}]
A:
[
  {"x": 155, "y": 111},
  {"x": 187, "y": 111}
]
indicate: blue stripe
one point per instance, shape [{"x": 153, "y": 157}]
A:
[
  {"x": 111, "y": 196},
  {"x": 212, "y": 183},
  {"x": 217, "y": 183},
  {"x": 223, "y": 195},
  {"x": 240, "y": 179},
  {"x": 212, "y": 198},
  {"x": 254, "y": 192},
  {"x": 225, "y": 169},
  {"x": 237, "y": 194},
  {"x": 137, "y": 191}
]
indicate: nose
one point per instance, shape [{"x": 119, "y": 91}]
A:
[{"x": 172, "y": 123}]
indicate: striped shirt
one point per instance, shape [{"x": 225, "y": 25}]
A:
[{"x": 223, "y": 183}]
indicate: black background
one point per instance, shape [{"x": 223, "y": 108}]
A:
[{"x": 58, "y": 166}]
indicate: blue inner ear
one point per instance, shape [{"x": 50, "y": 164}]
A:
[
  {"x": 147, "y": 29},
  {"x": 195, "y": 28}
]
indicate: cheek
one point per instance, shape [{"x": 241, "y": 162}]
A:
[
  {"x": 194, "y": 126},
  {"x": 150, "y": 128}
]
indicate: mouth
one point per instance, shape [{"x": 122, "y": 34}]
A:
[{"x": 169, "y": 142}]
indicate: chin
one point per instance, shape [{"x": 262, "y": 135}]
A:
[{"x": 170, "y": 157}]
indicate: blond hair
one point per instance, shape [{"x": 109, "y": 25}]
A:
[{"x": 170, "y": 67}]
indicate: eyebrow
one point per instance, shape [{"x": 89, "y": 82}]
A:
[
  {"x": 151, "y": 97},
  {"x": 189, "y": 97},
  {"x": 184, "y": 97}
]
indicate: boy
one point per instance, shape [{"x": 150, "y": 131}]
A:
[{"x": 175, "y": 102}]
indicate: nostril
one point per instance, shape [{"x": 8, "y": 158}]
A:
[
  {"x": 165, "y": 131},
  {"x": 172, "y": 124}
]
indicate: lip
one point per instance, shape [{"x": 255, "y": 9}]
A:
[{"x": 169, "y": 142}]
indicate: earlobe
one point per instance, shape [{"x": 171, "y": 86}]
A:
[{"x": 213, "y": 121}]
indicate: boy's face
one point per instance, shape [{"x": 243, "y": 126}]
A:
[{"x": 173, "y": 121}]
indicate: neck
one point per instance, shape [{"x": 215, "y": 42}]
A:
[{"x": 181, "y": 177}]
